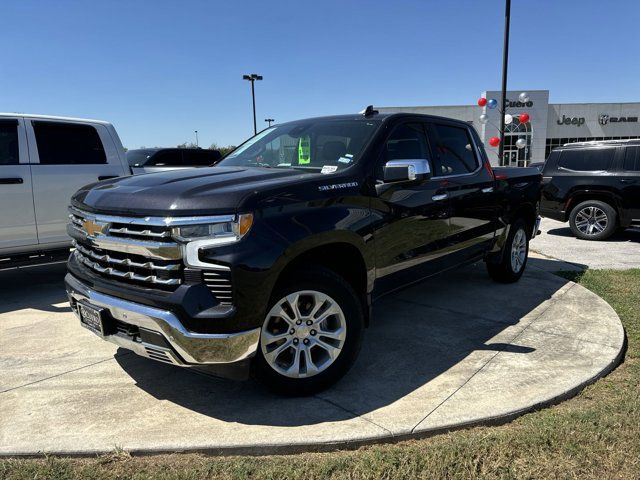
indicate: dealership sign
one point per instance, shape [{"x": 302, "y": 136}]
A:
[
  {"x": 577, "y": 121},
  {"x": 518, "y": 104},
  {"x": 604, "y": 119}
]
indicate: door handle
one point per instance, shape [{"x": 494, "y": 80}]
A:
[
  {"x": 487, "y": 190},
  {"x": 440, "y": 197},
  {"x": 106, "y": 177},
  {"x": 11, "y": 181},
  {"x": 627, "y": 180}
]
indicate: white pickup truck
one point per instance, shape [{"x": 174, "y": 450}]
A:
[{"x": 43, "y": 161}]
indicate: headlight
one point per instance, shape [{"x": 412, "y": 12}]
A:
[{"x": 219, "y": 233}]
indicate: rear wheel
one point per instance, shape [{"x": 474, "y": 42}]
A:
[
  {"x": 515, "y": 253},
  {"x": 311, "y": 334},
  {"x": 593, "y": 220}
]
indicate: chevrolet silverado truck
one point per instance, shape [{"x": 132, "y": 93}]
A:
[{"x": 269, "y": 263}]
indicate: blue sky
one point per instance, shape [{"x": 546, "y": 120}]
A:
[{"x": 158, "y": 70}]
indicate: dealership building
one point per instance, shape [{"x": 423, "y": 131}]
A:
[{"x": 550, "y": 124}]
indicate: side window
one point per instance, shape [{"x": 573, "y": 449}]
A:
[
  {"x": 9, "y": 142},
  {"x": 200, "y": 158},
  {"x": 631, "y": 159},
  {"x": 587, "y": 159},
  {"x": 453, "y": 150},
  {"x": 407, "y": 142},
  {"x": 68, "y": 144},
  {"x": 166, "y": 158}
]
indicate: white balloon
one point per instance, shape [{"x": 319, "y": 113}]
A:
[
  {"x": 521, "y": 143},
  {"x": 523, "y": 97},
  {"x": 508, "y": 119},
  {"x": 484, "y": 118}
]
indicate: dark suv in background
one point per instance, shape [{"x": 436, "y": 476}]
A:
[
  {"x": 595, "y": 186},
  {"x": 148, "y": 160}
]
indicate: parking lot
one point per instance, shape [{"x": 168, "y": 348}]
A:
[
  {"x": 621, "y": 251},
  {"x": 449, "y": 352}
]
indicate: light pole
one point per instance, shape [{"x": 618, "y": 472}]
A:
[
  {"x": 197, "y": 144},
  {"x": 505, "y": 61},
  {"x": 269, "y": 120},
  {"x": 252, "y": 78}
]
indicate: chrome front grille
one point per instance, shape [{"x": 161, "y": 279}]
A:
[
  {"x": 219, "y": 283},
  {"x": 127, "y": 249}
]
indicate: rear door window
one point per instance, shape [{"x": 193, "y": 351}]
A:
[
  {"x": 631, "y": 159},
  {"x": 587, "y": 160},
  {"x": 68, "y": 144},
  {"x": 9, "y": 154}
]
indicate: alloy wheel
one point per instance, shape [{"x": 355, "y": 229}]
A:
[
  {"x": 518, "y": 250},
  {"x": 303, "y": 334},
  {"x": 591, "y": 220}
]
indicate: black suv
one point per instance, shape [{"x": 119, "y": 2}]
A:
[{"x": 595, "y": 186}]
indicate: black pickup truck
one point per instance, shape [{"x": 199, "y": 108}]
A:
[{"x": 270, "y": 261}]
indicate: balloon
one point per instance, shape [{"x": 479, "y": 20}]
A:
[
  {"x": 484, "y": 118},
  {"x": 508, "y": 119},
  {"x": 521, "y": 143},
  {"x": 482, "y": 101},
  {"x": 523, "y": 117},
  {"x": 494, "y": 141},
  {"x": 492, "y": 103},
  {"x": 523, "y": 97}
]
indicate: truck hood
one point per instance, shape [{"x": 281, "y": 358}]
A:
[{"x": 198, "y": 191}]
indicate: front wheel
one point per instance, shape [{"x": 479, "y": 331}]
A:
[
  {"x": 515, "y": 253},
  {"x": 311, "y": 334}
]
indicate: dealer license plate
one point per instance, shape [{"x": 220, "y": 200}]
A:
[{"x": 91, "y": 318}]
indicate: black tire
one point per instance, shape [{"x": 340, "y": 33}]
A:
[
  {"x": 579, "y": 214},
  {"x": 502, "y": 269},
  {"x": 329, "y": 283}
]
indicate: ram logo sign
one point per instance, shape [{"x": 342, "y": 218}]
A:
[{"x": 603, "y": 119}]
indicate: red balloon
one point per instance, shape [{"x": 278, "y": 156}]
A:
[
  {"x": 494, "y": 141},
  {"x": 482, "y": 101},
  {"x": 523, "y": 117}
]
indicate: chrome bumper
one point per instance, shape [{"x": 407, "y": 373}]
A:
[{"x": 187, "y": 348}]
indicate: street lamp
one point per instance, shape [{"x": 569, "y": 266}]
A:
[
  {"x": 505, "y": 62},
  {"x": 269, "y": 120},
  {"x": 252, "y": 78},
  {"x": 197, "y": 145}
]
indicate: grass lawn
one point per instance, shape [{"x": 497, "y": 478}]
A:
[{"x": 594, "y": 435}]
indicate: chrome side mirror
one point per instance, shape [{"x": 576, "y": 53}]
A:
[{"x": 406, "y": 170}]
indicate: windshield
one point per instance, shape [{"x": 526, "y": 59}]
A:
[
  {"x": 138, "y": 158},
  {"x": 318, "y": 145}
]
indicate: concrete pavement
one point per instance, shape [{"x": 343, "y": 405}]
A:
[
  {"x": 453, "y": 351},
  {"x": 556, "y": 241}
]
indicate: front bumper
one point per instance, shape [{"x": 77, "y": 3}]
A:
[{"x": 159, "y": 335}]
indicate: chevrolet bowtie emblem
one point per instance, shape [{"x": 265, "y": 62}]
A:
[{"x": 94, "y": 228}]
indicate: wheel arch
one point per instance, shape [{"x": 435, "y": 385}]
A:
[
  {"x": 342, "y": 256},
  {"x": 579, "y": 196}
]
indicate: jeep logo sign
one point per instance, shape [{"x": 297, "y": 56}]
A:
[
  {"x": 518, "y": 104},
  {"x": 604, "y": 119},
  {"x": 577, "y": 121}
]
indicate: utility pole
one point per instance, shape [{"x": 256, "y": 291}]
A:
[
  {"x": 252, "y": 78},
  {"x": 197, "y": 144},
  {"x": 505, "y": 62}
]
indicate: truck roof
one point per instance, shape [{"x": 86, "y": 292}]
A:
[
  {"x": 379, "y": 116},
  {"x": 52, "y": 117}
]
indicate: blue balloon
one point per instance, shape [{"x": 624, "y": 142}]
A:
[{"x": 492, "y": 103}]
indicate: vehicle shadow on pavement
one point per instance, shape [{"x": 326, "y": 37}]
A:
[
  {"x": 451, "y": 323},
  {"x": 38, "y": 287}
]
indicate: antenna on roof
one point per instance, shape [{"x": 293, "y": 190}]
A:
[{"x": 367, "y": 112}]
